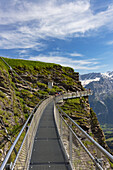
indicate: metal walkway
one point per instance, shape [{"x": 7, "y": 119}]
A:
[
  {"x": 43, "y": 149},
  {"x": 47, "y": 153}
]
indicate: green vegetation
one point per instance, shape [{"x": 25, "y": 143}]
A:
[
  {"x": 42, "y": 85},
  {"x": 3, "y": 66},
  {"x": 18, "y": 100},
  {"x": 108, "y": 131},
  {"x": 25, "y": 64},
  {"x": 78, "y": 109},
  {"x": 109, "y": 139},
  {"x": 111, "y": 164},
  {"x": 16, "y": 97},
  {"x": 93, "y": 117},
  {"x": 2, "y": 95},
  {"x": 75, "y": 109},
  {"x": 46, "y": 71}
]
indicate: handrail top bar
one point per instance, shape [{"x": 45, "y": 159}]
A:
[
  {"x": 88, "y": 91},
  {"x": 104, "y": 151}
]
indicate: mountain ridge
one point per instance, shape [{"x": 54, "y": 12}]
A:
[
  {"x": 102, "y": 100},
  {"x": 102, "y": 86}
]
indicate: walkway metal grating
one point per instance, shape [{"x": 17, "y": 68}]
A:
[
  {"x": 49, "y": 167},
  {"x": 47, "y": 152}
]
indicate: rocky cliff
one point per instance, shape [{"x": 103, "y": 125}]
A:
[{"x": 18, "y": 97}]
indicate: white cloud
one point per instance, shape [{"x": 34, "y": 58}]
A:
[
  {"x": 75, "y": 54},
  {"x": 110, "y": 43},
  {"x": 31, "y": 21},
  {"x": 13, "y": 39},
  {"x": 85, "y": 64},
  {"x": 59, "y": 53}
]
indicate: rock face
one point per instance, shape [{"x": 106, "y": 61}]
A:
[
  {"x": 78, "y": 109},
  {"x": 17, "y": 98}
]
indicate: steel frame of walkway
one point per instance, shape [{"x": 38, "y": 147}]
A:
[{"x": 48, "y": 153}]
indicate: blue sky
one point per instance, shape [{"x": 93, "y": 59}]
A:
[{"x": 74, "y": 33}]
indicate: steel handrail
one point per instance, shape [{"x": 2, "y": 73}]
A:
[
  {"x": 74, "y": 94},
  {"x": 87, "y": 151},
  {"x": 104, "y": 151},
  {"x": 17, "y": 138}
]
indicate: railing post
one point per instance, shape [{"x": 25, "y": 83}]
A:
[
  {"x": 99, "y": 158},
  {"x": 70, "y": 143},
  {"x": 60, "y": 127}
]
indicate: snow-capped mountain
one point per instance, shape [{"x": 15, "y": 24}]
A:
[
  {"x": 108, "y": 74},
  {"x": 91, "y": 77},
  {"x": 102, "y": 99}
]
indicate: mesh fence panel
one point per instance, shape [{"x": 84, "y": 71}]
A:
[{"x": 73, "y": 141}]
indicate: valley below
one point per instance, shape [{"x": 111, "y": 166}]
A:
[{"x": 108, "y": 131}]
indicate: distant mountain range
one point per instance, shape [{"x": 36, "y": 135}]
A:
[{"x": 102, "y": 99}]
